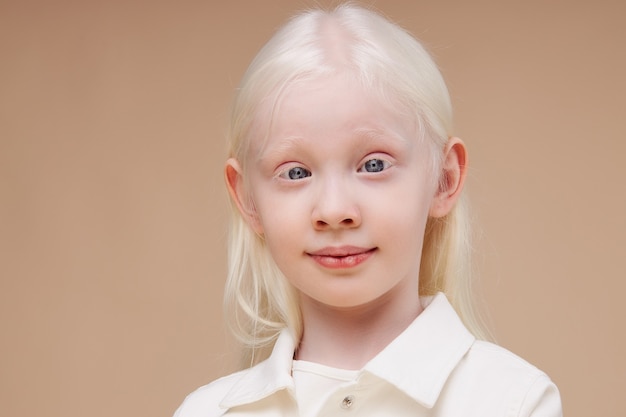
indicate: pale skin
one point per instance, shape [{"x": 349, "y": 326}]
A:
[{"x": 341, "y": 193}]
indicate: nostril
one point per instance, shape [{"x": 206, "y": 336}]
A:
[{"x": 324, "y": 222}]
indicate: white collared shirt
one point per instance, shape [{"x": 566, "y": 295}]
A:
[{"x": 434, "y": 368}]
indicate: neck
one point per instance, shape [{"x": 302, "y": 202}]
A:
[{"x": 348, "y": 338}]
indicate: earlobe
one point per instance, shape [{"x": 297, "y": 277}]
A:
[
  {"x": 233, "y": 175},
  {"x": 452, "y": 178}
]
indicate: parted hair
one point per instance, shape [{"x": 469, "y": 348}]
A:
[{"x": 259, "y": 301}]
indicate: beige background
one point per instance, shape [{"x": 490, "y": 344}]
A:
[{"x": 112, "y": 209}]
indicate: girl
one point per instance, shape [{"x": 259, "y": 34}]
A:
[{"x": 348, "y": 280}]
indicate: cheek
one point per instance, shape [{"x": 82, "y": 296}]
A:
[
  {"x": 405, "y": 216},
  {"x": 282, "y": 219}
]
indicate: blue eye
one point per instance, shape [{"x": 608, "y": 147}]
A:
[
  {"x": 297, "y": 173},
  {"x": 374, "y": 165}
]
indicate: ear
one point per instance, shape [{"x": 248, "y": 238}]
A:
[
  {"x": 233, "y": 175},
  {"x": 452, "y": 178}
]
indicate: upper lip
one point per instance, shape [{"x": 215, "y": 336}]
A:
[{"x": 338, "y": 251}]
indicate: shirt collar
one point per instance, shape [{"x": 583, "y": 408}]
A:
[
  {"x": 267, "y": 377},
  {"x": 418, "y": 362}
]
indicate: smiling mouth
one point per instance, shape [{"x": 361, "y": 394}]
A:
[{"x": 341, "y": 257}]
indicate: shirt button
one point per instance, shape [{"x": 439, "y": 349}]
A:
[{"x": 347, "y": 402}]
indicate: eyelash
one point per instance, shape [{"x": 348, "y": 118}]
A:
[{"x": 298, "y": 172}]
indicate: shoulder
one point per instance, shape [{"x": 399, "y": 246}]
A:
[
  {"x": 491, "y": 357},
  {"x": 508, "y": 382},
  {"x": 245, "y": 387},
  {"x": 205, "y": 401}
]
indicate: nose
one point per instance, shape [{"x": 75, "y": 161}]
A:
[{"x": 335, "y": 207}]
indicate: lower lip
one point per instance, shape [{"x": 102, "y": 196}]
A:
[{"x": 342, "y": 262}]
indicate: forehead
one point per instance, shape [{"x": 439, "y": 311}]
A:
[{"x": 335, "y": 106}]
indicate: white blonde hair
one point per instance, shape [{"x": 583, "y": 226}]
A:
[{"x": 259, "y": 301}]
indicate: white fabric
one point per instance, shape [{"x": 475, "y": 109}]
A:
[
  {"x": 313, "y": 382},
  {"x": 435, "y": 368}
]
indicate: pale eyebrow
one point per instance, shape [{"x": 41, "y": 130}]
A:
[
  {"x": 375, "y": 136},
  {"x": 287, "y": 145},
  {"x": 363, "y": 137}
]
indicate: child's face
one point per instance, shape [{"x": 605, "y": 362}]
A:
[{"x": 341, "y": 192}]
